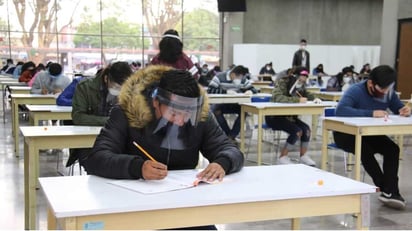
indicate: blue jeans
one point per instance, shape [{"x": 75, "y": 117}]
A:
[{"x": 219, "y": 110}]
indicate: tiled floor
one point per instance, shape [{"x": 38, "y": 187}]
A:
[{"x": 12, "y": 194}]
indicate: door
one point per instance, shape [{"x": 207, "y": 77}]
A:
[{"x": 404, "y": 59}]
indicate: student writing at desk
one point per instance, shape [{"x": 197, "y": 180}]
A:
[
  {"x": 230, "y": 82},
  {"x": 372, "y": 98},
  {"x": 93, "y": 100},
  {"x": 291, "y": 89},
  {"x": 51, "y": 81},
  {"x": 164, "y": 111}
]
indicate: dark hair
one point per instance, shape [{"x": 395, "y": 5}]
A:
[
  {"x": 55, "y": 69},
  {"x": 28, "y": 66},
  {"x": 9, "y": 60},
  {"x": 118, "y": 72},
  {"x": 303, "y": 41},
  {"x": 180, "y": 82},
  {"x": 240, "y": 70},
  {"x": 346, "y": 70},
  {"x": 383, "y": 75},
  {"x": 170, "y": 48}
]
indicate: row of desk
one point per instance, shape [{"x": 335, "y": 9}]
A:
[{"x": 40, "y": 137}]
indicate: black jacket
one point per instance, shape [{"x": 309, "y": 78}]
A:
[{"x": 115, "y": 156}]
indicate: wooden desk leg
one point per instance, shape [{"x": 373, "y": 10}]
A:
[
  {"x": 26, "y": 188},
  {"x": 4, "y": 103},
  {"x": 51, "y": 220},
  {"x": 15, "y": 128},
  {"x": 400, "y": 144},
  {"x": 242, "y": 131},
  {"x": 325, "y": 140},
  {"x": 259, "y": 138},
  {"x": 295, "y": 223},
  {"x": 315, "y": 122},
  {"x": 358, "y": 149}
]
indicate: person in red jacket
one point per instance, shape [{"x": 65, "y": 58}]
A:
[
  {"x": 27, "y": 72},
  {"x": 171, "y": 53}
]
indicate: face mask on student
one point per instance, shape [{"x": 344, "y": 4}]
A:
[
  {"x": 237, "y": 81},
  {"x": 114, "y": 91}
]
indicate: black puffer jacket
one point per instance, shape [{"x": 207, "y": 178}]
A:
[{"x": 115, "y": 156}]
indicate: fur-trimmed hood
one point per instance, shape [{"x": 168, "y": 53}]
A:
[{"x": 135, "y": 96}]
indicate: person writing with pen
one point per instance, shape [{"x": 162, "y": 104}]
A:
[
  {"x": 291, "y": 89},
  {"x": 374, "y": 97},
  {"x": 164, "y": 111}
]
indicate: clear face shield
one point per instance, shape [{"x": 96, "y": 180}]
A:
[{"x": 178, "y": 115}]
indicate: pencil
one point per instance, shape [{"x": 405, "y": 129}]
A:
[
  {"x": 297, "y": 93},
  {"x": 144, "y": 151}
]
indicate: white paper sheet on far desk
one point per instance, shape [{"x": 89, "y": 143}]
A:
[{"x": 175, "y": 180}]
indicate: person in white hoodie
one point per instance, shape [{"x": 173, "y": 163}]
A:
[{"x": 50, "y": 81}]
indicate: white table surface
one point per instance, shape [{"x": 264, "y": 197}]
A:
[
  {"x": 292, "y": 105},
  {"x": 49, "y": 108},
  {"x": 258, "y": 183},
  {"x": 370, "y": 121},
  {"x": 41, "y": 131}
]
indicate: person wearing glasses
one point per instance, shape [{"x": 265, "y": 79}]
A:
[{"x": 372, "y": 98}]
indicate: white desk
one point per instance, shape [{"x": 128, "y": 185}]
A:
[
  {"x": 277, "y": 109},
  {"x": 329, "y": 95},
  {"x": 20, "y": 89},
  {"x": 4, "y": 83},
  {"x": 49, "y": 112},
  {"x": 254, "y": 194},
  {"x": 236, "y": 98},
  {"x": 363, "y": 126},
  {"x": 16, "y": 100},
  {"x": 42, "y": 137}
]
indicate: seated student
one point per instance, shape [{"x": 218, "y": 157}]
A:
[
  {"x": 51, "y": 81},
  {"x": 267, "y": 70},
  {"x": 292, "y": 89},
  {"x": 93, "y": 100},
  {"x": 319, "y": 72},
  {"x": 230, "y": 82},
  {"x": 165, "y": 111},
  {"x": 336, "y": 82},
  {"x": 66, "y": 97},
  {"x": 27, "y": 72},
  {"x": 373, "y": 98}
]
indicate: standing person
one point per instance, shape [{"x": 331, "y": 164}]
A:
[
  {"x": 51, "y": 81},
  {"x": 292, "y": 89},
  {"x": 301, "y": 58},
  {"x": 171, "y": 53},
  {"x": 166, "y": 112},
  {"x": 230, "y": 82},
  {"x": 372, "y": 98},
  {"x": 93, "y": 100}
]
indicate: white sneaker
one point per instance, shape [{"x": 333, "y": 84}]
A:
[
  {"x": 305, "y": 159},
  {"x": 284, "y": 160}
]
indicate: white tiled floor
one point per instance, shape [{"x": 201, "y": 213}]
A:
[{"x": 12, "y": 195}]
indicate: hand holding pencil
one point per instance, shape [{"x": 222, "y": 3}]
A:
[
  {"x": 151, "y": 169},
  {"x": 301, "y": 98}
]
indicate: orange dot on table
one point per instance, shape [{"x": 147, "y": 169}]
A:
[
  {"x": 45, "y": 128},
  {"x": 320, "y": 182}
]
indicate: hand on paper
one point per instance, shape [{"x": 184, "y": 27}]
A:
[
  {"x": 212, "y": 172},
  {"x": 405, "y": 111},
  {"x": 303, "y": 100},
  {"x": 152, "y": 170},
  {"x": 231, "y": 92},
  {"x": 44, "y": 91},
  {"x": 379, "y": 113},
  {"x": 248, "y": 92},
  {"x": 317, "y": 101}
]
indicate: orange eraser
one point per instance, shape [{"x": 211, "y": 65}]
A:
[
  {"x": 45, "y": 128},
  {"x": 320, "y": 182}
]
